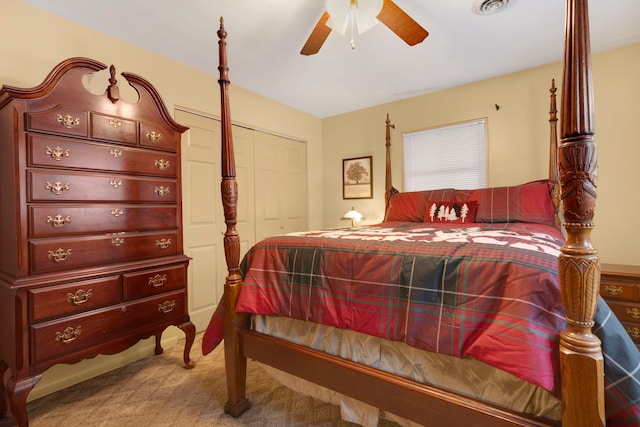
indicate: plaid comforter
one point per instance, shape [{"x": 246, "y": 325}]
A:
[{"x": 490, "y": 292}]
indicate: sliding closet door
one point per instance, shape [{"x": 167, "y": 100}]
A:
[
  {"x": 281, "y": 185},
  {"x": 203, "y": 217}
]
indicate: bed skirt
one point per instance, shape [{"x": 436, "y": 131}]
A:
[{"x": 468, "y": 377}]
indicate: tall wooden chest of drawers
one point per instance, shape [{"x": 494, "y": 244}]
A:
[
  {"x": 620, "y": 287},
  {"x": 90, "y": 225}
]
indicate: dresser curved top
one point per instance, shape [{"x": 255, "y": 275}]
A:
[{"x": 64, "y": 86}]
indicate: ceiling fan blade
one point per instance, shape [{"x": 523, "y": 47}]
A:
[
  {"x": 317, "y": 37},
  {"x": 402, "y": 24}
]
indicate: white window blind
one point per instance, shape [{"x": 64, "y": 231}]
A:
[{"x": 446, "y": 157}]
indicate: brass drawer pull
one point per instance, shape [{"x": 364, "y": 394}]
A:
[
  {"x": 162, "y": 191},
  {"x": 163, "y": 244},
  {"x": 115, "y": 183},
  {"x": 153, "y": 136},
  {"x": 166, "y": 307},
  {"x": 57, "y": 153},
  {"x": 634, "y": 332},
  {"x": 69, "y": 334},
  {"x": 162, "y": 164},
  {"x": 117, "y": 212},
  {"x": 80, "y": 297},
  {"x": 158, "y": 280},
  {"x": 59, "y": 255},
  {"x": 58, "y": 221},
  {"x": 68, "y": 121},
  {"x": 117, "y": 241},
  {"x": 115, "y": 152},
  {"x": 634, "y": 312},
  {"x": 115, "y": 123},
  {"x": 57, "y": 187},
  {"x": 613, "y": 290}
]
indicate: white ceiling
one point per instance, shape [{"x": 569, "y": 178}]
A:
[{"x": 265, "y": 38}]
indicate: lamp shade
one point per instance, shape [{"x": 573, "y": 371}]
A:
[{"x": 353, "y": 215}]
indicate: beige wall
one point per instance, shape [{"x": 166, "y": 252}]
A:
[
  {"x": 34, "y": 41},
  {"x": 518, "y": 135}
]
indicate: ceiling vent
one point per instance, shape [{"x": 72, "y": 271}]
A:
[{"x": 488, "y": 7}]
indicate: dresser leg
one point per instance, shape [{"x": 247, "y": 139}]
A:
[
  {"x": 189, "y": 330},
  {"x": 17, "y": 392},
  {"x": 159, "y": 349},
  {"x": 4, "y": 409}
]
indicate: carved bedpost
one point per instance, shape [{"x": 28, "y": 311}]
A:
[
  {"x": 581, "y": 360},
  {"x": 235, "y": 363},
  {"x": 553, "y": 151},
  {"x": 388, "y": 186}
]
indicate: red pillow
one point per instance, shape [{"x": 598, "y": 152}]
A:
[
  {"x": 406, "y": 207},
  {"x": 410, "y": 206},
  {"x": 530, "y": 202},
  {"x": 450, "y": 212}
]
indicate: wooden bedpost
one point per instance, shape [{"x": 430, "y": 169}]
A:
[
  {"x": 235, "y": 363},
  {"x": 389, "y": 190},
  {"x": 553, "y": 152},
  {"x": 581, "y": 360}
]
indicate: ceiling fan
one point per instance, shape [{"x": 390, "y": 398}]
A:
[{"x": 341, "y": 15}]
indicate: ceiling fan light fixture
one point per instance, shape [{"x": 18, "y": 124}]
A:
[
  {"x": 345, "y": 14},
  {"x": 488, "y": 7}
]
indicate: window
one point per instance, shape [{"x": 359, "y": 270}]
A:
[{"x": 446, "y": 157}]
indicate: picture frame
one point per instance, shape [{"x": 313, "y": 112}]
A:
[{"x": 357, "y": 178}]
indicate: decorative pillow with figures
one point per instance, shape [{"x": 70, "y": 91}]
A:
[{"x": 450, "y": 212}]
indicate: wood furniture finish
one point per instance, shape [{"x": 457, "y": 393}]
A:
[
  {"x": 620, "y": 287},
  {"x": 91, "y": 233},
  {"x": 581, "y": 360}
]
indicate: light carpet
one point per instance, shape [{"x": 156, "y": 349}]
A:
[{"x": 157, "y": 391}]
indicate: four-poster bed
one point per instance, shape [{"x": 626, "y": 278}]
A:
[{"x": 563, "y": 272}]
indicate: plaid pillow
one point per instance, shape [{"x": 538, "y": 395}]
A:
[{"x": 530, "y": 202}]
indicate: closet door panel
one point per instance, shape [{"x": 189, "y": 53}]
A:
[{"x": 203, "y": 218}]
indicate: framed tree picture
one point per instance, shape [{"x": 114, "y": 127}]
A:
[{"x": 357, "y": 178}]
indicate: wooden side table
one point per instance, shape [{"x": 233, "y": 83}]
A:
[{"x": 620, "y": 287}]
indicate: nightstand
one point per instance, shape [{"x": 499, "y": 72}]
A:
[{"x": 620, "y": 287}]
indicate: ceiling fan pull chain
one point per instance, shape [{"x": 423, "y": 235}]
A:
[{"x": 353, "y": 9}]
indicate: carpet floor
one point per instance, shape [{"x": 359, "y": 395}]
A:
[{"x": 157, "y": 391}]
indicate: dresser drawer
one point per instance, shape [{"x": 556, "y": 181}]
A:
[
  {"x": 633, "y": 329},
  {"x": 619, "y": 287},
  {"x": 51, "y": 220},
  {"x": 160, "y": 310},
  {"x": 158, "y": 137},
  {"x": 53, "y": 339},
  {"x": 49, "y": 255},
  {"x": 154, "y": 281},
  {"x": 64, "y": 300},
  {"x": 114, "y": 129},
  {"x": 71, "y": 187},
  {"x": 48, "y": 151},
  {"x": 626, "y": 312},
  {"x": 62, "y": 120},
  {"x": 72, "y": 334}
]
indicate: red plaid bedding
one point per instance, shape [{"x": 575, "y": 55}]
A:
[{"x": 489, "y": 291}]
